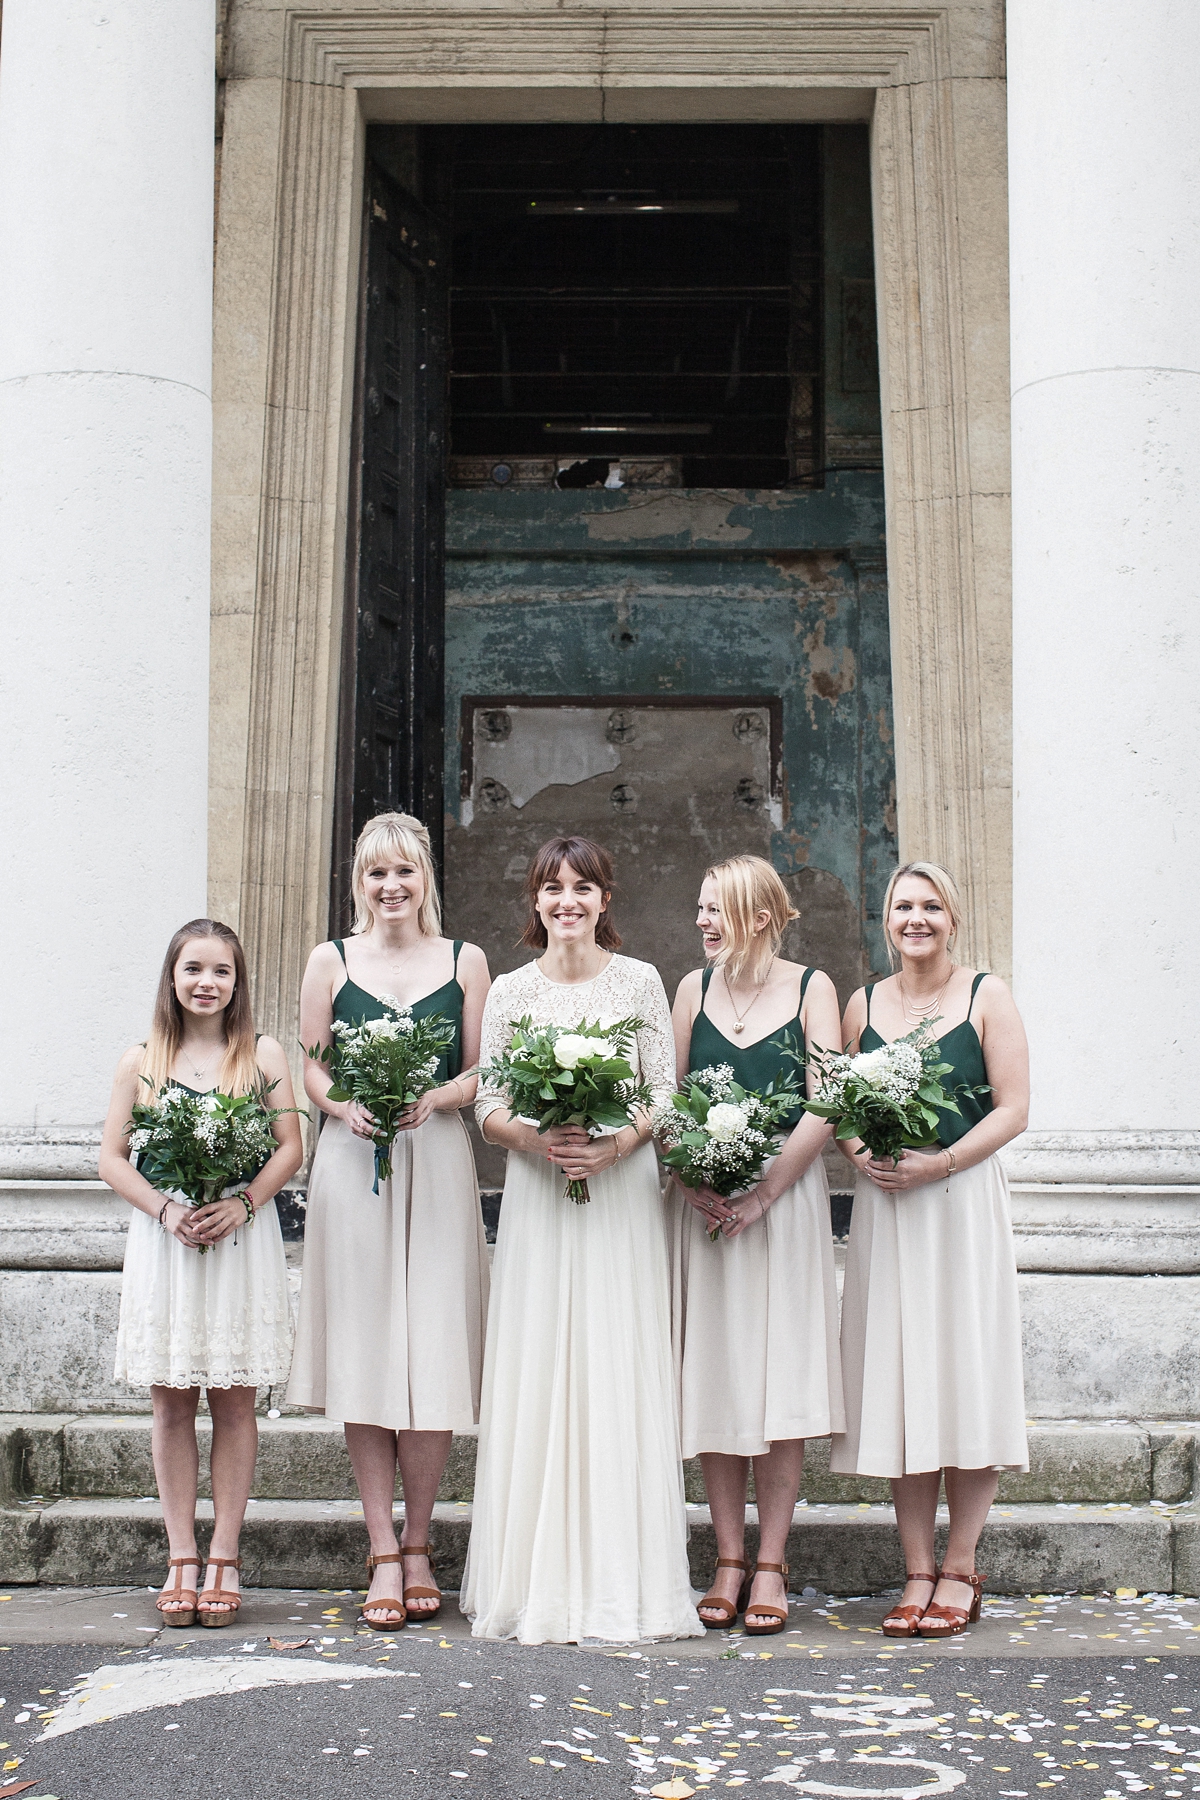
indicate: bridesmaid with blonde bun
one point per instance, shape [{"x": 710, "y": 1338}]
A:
[
  {"x": 394, "y": 1300},
  {"x": 755, "y": 1313},
  {"x": 931, "y": 1320}
]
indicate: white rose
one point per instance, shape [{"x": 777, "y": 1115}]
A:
[
  {"x": 571, "y": 1049},
  {"x": 209, "y": 1102},
  {"x": 725, "y": 1121},
  {"x": 870, "y": 1065}
]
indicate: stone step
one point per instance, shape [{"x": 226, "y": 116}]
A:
[
  {"x": 835, "y": 1549},
  {"x": 102, "y": 1455}
]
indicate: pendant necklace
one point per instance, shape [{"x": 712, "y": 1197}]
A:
[
  {"x": 740, "y": 1017},
  {"x": 201, "y": 1074}
]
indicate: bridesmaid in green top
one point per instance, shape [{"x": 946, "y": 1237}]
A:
[
  {"x": 394, "y": 1298},
  {"x": 931, "y": 1325},
  {"x": 755, "y": 1314}
]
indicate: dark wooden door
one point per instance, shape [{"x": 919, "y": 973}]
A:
[{"x": 391, "y": 710}]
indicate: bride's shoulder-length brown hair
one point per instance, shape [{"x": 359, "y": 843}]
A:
[{"x": 593, "y": 863}]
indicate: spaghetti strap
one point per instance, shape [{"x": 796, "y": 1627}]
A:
[
  {"x": 458, "y": 944},
  {"x": 705, "y": 978},
  {"x": 975, "y": 989},
  {"x": 804, "y": 981},
  {"x": 870, "y": 991},
  {"x": 341, "y": 950}
]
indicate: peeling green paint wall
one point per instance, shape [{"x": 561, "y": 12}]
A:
[{"x": 697, "y": 592}]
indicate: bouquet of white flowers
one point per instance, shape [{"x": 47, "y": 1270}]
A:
[
  {"x": 889, "y": 1097},
  {"x": 386, "y": 1065},
  {"x": 194, "y": 1146},
  {"x": 578, "y": 1075},
  {"x": 719, "y": 1133}
]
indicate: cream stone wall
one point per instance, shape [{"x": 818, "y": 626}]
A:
[{"x": 300, "y": 86}]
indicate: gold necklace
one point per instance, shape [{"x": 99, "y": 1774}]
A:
[
  {"x": 925, "y": 1009},
  {"x": 740, "y": 1017}
]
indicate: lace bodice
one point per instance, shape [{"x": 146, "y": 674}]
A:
[{"x": 624, "y": 989}]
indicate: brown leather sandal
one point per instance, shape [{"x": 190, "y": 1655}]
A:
[
  {"x": 172, "y": 1612},
  {"x": 393, "y": 1608},
  {"x": 229, "y": 1598},
  {"x": 422, "y": 1593},
  {"x": 729, "y": 1608},
  {"x": 947, "y": 1621},
  {"x": 902, "y": 1621},
  {"x": 769, "y": 1612}
]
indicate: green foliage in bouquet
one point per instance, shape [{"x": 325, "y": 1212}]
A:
[
  {"x": 197, "y": 1145},
  {"x": 570, "y": 1075},
  {"x": 720, "y": 1133},
  {"x": 386, "y": 1065},
  {"x": 889, "y": 1097}
]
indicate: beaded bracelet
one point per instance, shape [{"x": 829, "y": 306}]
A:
[
  {"x": 248, "y": 1203},
  {"x": 162, "y": 1213}
]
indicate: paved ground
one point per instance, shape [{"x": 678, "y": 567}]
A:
[{"x": 1100, "y": 1696}]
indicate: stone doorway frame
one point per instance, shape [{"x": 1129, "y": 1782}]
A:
[{"x": 930, "y": 81}]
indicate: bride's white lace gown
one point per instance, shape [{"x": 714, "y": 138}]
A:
[{"x": 579, "y": 1526}]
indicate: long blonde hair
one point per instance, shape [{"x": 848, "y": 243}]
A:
[
  {"x": 747, "y": 885},
  {"x": 947, "y": 892},
  {"x": 239, "y": 1072},
  {"x": 399, "y": 835}
]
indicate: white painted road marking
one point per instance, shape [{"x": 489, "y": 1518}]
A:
[{"x": 114, "y": 1690}]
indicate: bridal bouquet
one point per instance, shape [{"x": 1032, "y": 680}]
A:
[
  {"x": 570, "y": 1075},
  {"x": 721, "y": 1133},
  {"x": 194, "y": 1146},
  {"x": 890, "y": 1097},
  {"x": 386, "y": 1065}
]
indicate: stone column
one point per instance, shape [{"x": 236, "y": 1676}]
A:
[
  {"x": 1104, "y": 170},
  {"x": 106, "y": 217}
]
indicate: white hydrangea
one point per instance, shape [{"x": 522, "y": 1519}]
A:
[
  {"x": 572, "y": 1048},
  {"x": 725, "y": 1121},
  {"x": 871, "y": 1065}
]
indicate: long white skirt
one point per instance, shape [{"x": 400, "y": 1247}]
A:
[
  {"x": 931, "y": 1330},
  {"x": 394, "y": 1297},
  {"x": 579, "y": 1526},
  {"x": 220, "y": 1320},
  {"x": 756, "y": 1325}
]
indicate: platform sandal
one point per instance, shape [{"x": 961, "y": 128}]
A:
[
  {"x": 729, "y": 1608},
  {"x": 421, "y": 1593},
  {"x": 393, "y": 1608},
  {"x": 230, "y": 1599},
  {"x": 947, "y": 1621},
  {"x": 779, "y": 1619},
  {"x": 168, "y": 1601},
  {"x": 903, "y": 1621}
]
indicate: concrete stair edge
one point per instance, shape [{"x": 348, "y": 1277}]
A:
[
  {"x": 99, "y": 1455},
  {"x": 838, "y": 1549}
]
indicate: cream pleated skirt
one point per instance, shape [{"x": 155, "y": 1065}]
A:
[
  {"x": 579, "y": 1529},
  {"x": 931, "y": 1330},
  {"x": 393, "y": 1302},
  {"x": 220, "y": 1320},
  {"x": 755, "y": 1325}
]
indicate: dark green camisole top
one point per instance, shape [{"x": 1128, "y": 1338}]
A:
[
  {"x": 962, "y": 1050},
  {"x": 353, "y": 1004},
  {"x": 756, "y": 1066}
]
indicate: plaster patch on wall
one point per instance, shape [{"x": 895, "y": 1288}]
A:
[
  {"x": 832, "y": 671},
  {"x": 700, "y": 518},
  {"x": 538, "y": 753}
]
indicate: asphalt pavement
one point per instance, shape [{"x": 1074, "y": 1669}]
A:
[{"x": 1094, "y": 1694}]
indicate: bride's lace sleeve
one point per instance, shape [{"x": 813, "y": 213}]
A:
[
  {"x": 494, "y": 1033},
  {"x": 655, "y": 1041}
]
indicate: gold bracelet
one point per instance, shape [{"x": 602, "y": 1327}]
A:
[{"x": 951, "y": 1163}]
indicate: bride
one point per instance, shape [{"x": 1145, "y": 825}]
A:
[{"x": 579, "y": 1527}]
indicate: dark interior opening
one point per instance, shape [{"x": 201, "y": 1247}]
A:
[{"x": 625, "y": 291}]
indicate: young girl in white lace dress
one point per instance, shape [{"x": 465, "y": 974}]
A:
[
  {"x": 219, "y": 1321},
  {"x": 579, "y": 1527}
]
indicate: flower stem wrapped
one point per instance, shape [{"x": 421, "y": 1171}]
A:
[{"x": 555, "y": 1075}]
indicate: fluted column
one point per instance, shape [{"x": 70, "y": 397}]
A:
[{"x": 106, "y": 210}]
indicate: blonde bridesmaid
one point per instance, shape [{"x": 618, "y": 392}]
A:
[
  {"x": 394, "y": 1298},
  {"x": 755, "y": 1313},
  {"x": 931, "y": 1323}
]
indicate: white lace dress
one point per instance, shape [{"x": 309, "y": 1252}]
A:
[{"x": 579, "y": 1527}]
